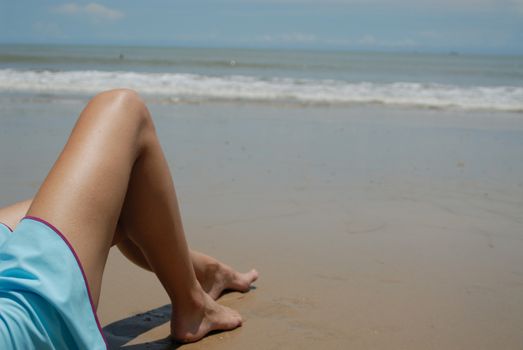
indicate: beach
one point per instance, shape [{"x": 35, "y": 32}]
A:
[
  {"x": 371, "y": 227},
  {"x": 379, "y": 195}
]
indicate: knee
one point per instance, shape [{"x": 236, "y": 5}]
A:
[
  {"x": 126, "y": 98},
  {"x": 129, "y": 95},
  {"x": 130, "y": 102}
]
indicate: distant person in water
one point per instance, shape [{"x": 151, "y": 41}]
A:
[{"x": 111, "y": 185}]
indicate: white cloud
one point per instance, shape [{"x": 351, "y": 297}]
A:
[
  {"x": 371, "y": 41},
  {"x": 299, "y": 38},
  {"x": 366, "y": 40},
  {"x": 92, "y": 9}
]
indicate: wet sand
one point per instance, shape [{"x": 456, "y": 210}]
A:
[{"x": 372, "y": 228}]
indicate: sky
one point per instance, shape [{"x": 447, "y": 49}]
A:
[{"x": 475, "y": 26}]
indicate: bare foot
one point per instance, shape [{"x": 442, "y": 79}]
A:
[
  {"x": 216, "y": 277},
  {"x": 204, "y": 316}
]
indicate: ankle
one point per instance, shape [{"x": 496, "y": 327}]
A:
[{"x": 193, "y": 301}]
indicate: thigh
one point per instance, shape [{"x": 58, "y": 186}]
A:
[
  {"x": 12, "y": 214},
  {"x": 83, "y": 193}
]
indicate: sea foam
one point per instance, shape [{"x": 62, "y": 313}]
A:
[{"x": 193, "y": 87}]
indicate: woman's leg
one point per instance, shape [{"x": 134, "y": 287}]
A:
[
  {"x": 214, "y": 276},
  {"x": 112, "y": 170}
]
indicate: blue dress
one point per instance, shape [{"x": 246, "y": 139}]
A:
[{"x": 45, "y": 301}]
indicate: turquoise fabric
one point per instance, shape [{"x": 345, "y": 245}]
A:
[
  {"x": 5, "y": 232},
  {"x": 44, "y": 298}
]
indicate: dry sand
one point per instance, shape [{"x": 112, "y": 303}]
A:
[{"x": 372, "y": 228}]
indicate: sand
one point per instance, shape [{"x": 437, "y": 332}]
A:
[{"x": 372, "y": 228}]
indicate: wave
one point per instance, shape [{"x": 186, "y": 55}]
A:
[{"x": 200, "y": 88}]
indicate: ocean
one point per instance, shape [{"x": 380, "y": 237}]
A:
[
  {"x": 296, "y": 77},
  {"x": 181, "y": 75}
]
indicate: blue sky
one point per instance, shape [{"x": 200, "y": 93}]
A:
[{"x": 491, "y": 26}]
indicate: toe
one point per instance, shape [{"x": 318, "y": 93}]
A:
[
  {"x": 246, "y": 279},
  {"x": 253, "y": 275}
]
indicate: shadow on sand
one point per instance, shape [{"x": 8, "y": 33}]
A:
[{"x": 123, "y": 331}]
